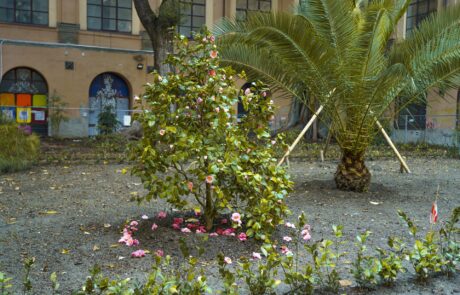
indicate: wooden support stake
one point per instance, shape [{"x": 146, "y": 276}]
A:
[
  {"x": 312, "y": 119},
  {"x": 388, "y": 139}
]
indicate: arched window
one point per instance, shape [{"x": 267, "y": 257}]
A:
[
  {"x": 107, "y": 90},
  {"x": 24, "y": 98},
  {"x": 110, "y": 15}
]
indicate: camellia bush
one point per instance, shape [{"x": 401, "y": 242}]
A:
[{"x": 196, "y": 152}]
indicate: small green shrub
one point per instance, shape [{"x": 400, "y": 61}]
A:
[
  {"x": 425, "y": 256},
  {"x": 4, "y": 284},
  {"x": 391, "y": 261},
  {"x": 107, "y": 122},
  {"x": 365, "y": 268},
  {"x": 18, "y": 150}
]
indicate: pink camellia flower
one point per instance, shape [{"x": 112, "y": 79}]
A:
[
  {"x": 131, "y": 242},
  {"x": 213, "y": 54},
  {"x": 306, "y": 235},
  {"x": 228, "y": 260},
  {"x": 213, "y": 234},
  {"x": 229, "y": 232},
  {"x": 285, "y": 249},
  {"x": 159, "y": 253},
  {"x": 138, "y": 254},
  {"x": 154, "y": 226},
  {"x": 212, "y": 73},
  {"x": 199, "y": 100},
  {"x": 242, "y": 237},
  {"x": 161, "y": 215},
  {"x": 236, "y": 217},
  {"x": 256, "y": 255},
  {"x": 176, "y": 226},
  {"x": 178, "y": 220},
  {"x": 162, "y": 132},
  {"x": 186, "y": 230},
  {"x": 212, "y": 38},
  {"x": 264, "y": 94},
  {"x": 247, "y": 91},
  {"x": 145, "y": 217},
  {"x": 190, "y": 185},
  {"x": 287, "y": 238},
  {"x": 224, "y": 221},
  {"x": 134, "y": 223},
  {"x": 192, "y": 226},
  {"x": 209, "y": 179}
]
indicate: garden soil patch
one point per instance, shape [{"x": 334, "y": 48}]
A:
[{"x": 71, "y": 217}]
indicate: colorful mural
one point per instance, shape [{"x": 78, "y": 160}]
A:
[
  {"x": 107, "y": 90},
  {"x": 24, "y": 99}
]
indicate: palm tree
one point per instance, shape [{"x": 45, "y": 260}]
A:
[{"x": 342, "y": 54}]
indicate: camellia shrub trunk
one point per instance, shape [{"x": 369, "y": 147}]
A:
[{"x": 196, "y": 152}]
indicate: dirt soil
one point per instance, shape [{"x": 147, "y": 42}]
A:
[{"x": 71, "y": 217}]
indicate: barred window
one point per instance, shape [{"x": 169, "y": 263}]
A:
[
  {"x": 110, "y": 15},
  {"x": 244, "y": 6},
  {"x": 24, "y": 11},
  {"x": 193, "y": 16},
  {"x": 418, "y": 10}
]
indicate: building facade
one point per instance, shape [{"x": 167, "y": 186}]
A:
[{"x": 91, "y": 52}]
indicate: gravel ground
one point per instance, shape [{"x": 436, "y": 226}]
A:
[{"x": 71, "y": 217}]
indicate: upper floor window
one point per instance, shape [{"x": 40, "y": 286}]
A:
[
  {"x": 193, "y": 16},
  {"x": 24, "y": 11},
  {"x": 418, "y": 10},
  {"x": 243, "y": 6},
  {"x": 110, "y": 15}
]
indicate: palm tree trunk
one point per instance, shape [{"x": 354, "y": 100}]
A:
[{"x": 352, "y": 174}]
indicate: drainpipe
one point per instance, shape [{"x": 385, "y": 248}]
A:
[{"x": 1, "y": 60}]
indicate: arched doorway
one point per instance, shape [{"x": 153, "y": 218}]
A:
[
  {"x": 108, "y": 90},
  {"x": 24, "y": 98}
]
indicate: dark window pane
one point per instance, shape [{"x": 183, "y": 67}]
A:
[
  {"x": 94, "y": 10},
  {"x": 94, "y": 23},
  {"x": 198, "y": 10},
  {"x": 186, "y": 21},
  {"x": 9, "y": 76},
  {"x": 241, "y": 15},
  {"x": 124, "y": 26},
  {"x": 242, "y": 4},
  {"x": 23, "y": 4},
  {"x": 40, "y": 18},
  {"x": 109, "y": 24},
  {"x": 265, "y": 6},
  {"x": 109, "y": 12},
  {"x": 40, "y": 5},
  {"x": 198, "y": 21},
  {"x": 7, "y": 3},
  {"x": 253, "y": 5},
  {"x": 37, "y": 77},
  {"x": 95, "y": 2},
  {"x": 23, "y": 16},
  {"x": 124, "y": 3},
  {"x": 41, "y": 87},
  {"x": 6, "y": 15},
  {"x": 23, "y": 74},
  {"x": 124, "y": 14},
  {"x": 109, "y": 2},
  {"x": 186, "y": 31},
  {"x": 199, "y": 1}
]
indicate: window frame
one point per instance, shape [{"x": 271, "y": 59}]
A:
[
  {"x": 418, "y": 15},
  {"x": 246, "y": 9},
  {"x": 101, "y": 17},
  {"x": 190, "y": 13},
  {"x": 31, "y": 14}
]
